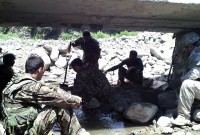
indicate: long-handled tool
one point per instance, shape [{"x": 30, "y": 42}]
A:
[{"x": 64, "y": 84}]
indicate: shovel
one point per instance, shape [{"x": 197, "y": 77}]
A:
[{"x": 64, "y": 85}]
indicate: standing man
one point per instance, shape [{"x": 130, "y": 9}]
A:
[
  {"x": 31, "y": 108},
  {"x": 90, "y": 47},
  {"x": 190, "y": 87},
  {"x": 91, "y": 84},
  {"x": 135, "y": 69}
]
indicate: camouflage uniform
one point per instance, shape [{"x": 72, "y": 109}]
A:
[
  {"x": 91, "y": 82},
  {"x": 29, "y": 110},
  {"x": 6, "y": 73}
]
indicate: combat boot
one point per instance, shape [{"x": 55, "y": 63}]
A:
[{"x": 181, "y": 121}]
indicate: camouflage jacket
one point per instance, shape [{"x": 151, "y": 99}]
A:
[
  {"x": 23, "y": 93},
  {"x": 91, "y": 82}
]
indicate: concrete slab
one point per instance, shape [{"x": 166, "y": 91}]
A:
[{"x": 142, "y": 15}]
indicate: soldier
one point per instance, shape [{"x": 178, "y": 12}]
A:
[
  {"x": 31, "y": 108},
  {"x": 190, "y": 86},
  {"x": 135, "y": 69},
  {"x": 6, "y": 70},
  {"x": 6, "y": 73},
  {"x": 91, "y": 84},
  {"x": 90, "y": 47}
]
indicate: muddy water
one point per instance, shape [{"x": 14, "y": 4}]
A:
[{"x": 99, "y": 122}]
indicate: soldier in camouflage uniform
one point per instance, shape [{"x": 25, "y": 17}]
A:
[
  {"x": 6, "y": 73},
  {"x": 90, "y": 83},
  {"x": 31, "y": 108}
]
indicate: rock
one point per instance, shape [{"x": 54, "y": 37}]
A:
[
  {"x": 163, "y": 101},
  {"x": 122, "y": 99},
  {"x": 164, "y": 121},
  {"x": 179, "y": 133},
  {"x": 196, "y": 127},
  {"x": 54, "y": 54},
  {"x": 166, "y": 130},
  {"x": 155, "y": 52},
  {"x": 41, "y": 52},
  {"x": 56, "y": 71},
  {"x": 2, "y": 130},
  {"x": 140, "y": 112},
  {"x": 196, "y": 115},
  {"x": 61, "y": 62}
]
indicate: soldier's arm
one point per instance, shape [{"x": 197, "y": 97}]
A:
[
  {"x": 116, "y": 66},
  {"x": 69, "y": 47},
  {"x": 79, "y": 83},
  {"x": 49, "y": 97}
]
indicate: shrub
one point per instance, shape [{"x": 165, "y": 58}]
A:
[{"x": 100, "y": 34}]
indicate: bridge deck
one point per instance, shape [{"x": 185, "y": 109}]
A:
[{"x": 148, "y": 15}]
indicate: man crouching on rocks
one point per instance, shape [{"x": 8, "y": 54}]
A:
[
  {"x": 134, "y": 73},
  {"x": 91, "y": 84},
  {"x": 190, "y": 87},
  {"x": 31, "y": 108}
]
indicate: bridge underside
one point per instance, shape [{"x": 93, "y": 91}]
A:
[{"x": 140, "y": 15}]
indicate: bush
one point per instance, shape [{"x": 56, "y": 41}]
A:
[
  {"x": 66, "y": 36},
  {"x": 100, "y": 34}
]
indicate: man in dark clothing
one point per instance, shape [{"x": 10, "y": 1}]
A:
[
  {"x": 6, "y": 71},
  {"x": 90, "y": 47},
  {"x": 135, "y": 69}
]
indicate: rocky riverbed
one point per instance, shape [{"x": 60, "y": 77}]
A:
[{"x": 155, "y": 50}]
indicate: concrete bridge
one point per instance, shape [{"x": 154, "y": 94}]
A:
[{"x": 148, "y": 15}]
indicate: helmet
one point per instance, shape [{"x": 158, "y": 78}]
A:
[{"x": 189, "y": 39}]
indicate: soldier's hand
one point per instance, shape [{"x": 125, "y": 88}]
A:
[
  {"x": 78, "y": 99},
  {"x": 75, "y": 106}
]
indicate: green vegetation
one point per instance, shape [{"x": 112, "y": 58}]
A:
[
  {"x": 98, "y": 34},
  {"x": 55, "y": 33},
  {"x": 37, "y": 36},
  {"x": 8, "y": 36}
]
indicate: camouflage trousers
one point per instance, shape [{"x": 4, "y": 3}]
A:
[{"x": 18, "y": 124}]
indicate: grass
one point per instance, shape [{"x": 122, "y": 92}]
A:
[
  {"x": 72, "y": 34},
  {"x": 8, "y": 36},
  {"x": 98, "y": 34}
]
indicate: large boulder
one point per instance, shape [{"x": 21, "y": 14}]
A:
[{"x": 140, "y": 112}]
